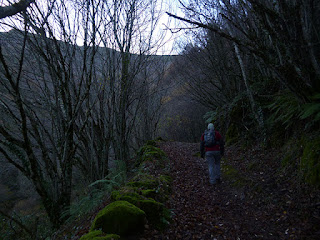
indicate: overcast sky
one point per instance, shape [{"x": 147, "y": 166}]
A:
[{"x": 167, "y": 26}]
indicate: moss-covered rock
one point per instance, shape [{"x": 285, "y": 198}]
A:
[
  {"x": 120, "y": 217},
  {"x": 155, "y": 211},
  {"x": 310, "y": 161},
  {"x": 161, "y": 185},
  {"x": 144, "y": 181},
  {"x": 147, "y": 181},
  {"x": 150, "y": 153},
  {"x": 99, "y": 235},
  {"x": 131, "y": 197},
  {"x": 148, "y": 186},
  {"x": 149, "y": 193}
]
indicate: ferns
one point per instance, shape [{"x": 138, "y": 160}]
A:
[
  {"x": 290, "y": 113},
  {"x": 312, "y": 109},
  {"x": 210, "y": 116},
  {"x": 286, "y": 109},
  {"x": 221, "y": 112},
  {"x": 97, "y": 193}
]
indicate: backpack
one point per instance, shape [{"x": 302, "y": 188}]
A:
[{"x": 209, "y": 138}]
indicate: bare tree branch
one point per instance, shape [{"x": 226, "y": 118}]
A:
[
  {"x": 14, "y": 8},
  {"x": 207, "y": 26}
]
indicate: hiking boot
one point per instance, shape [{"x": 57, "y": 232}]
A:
[{"x": 218, "y": 180}]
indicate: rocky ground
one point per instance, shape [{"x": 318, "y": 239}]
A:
[{"x": 256, "y": 199}]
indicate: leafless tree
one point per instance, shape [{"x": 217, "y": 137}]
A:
[
  {"x": 132, "y": 27},
  {"x": 68, "y": 107},
  {"x": 278, "y": 35},
  {"x": 44, "y": 101}
]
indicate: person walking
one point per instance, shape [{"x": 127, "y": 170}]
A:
[{"x": 212, "y": 148}]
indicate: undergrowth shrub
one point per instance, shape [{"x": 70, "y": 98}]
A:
[
  {"x": 285, "y": 109},
  {"x": 288, "y": 111},
  {"x": 96, "y": 193},
  {"x": 311, "y": 112},
  {"x": 312, "y": 109},
  {"x": 147, "y": 190}
]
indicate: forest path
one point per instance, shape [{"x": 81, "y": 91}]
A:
[{"x": 224, "y": 211}]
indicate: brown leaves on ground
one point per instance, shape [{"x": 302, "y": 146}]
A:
[{"x": 259, "y": 202}]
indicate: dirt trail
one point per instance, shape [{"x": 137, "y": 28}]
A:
[{"x": 224, "y": 211}]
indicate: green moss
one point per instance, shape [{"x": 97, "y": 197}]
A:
[
  {"x": 99, "y": 235},
  {"x": 132, "y": 197},
  {"x": 159, "y": 194},
  {"x": 149, "y": 193},
  {"x": 165, "y": 184},
  {"x": 154, "y": 210},
  {"x": 150, "y": 153},
  {"x": 233, "y": 175},
  {"x": 147, "y": 186},
  {"x": 144, "y": 181},
  {"x": 144, "y": 177},
  {"x": 310, "y": 161},
  {"x": 162, "y": 184},
  {"x": 120, "y": 217},
  {"x": 110, "y": 237},
  {"x": 165, "y": 178},
  {"x": 124, "y": 195}
]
